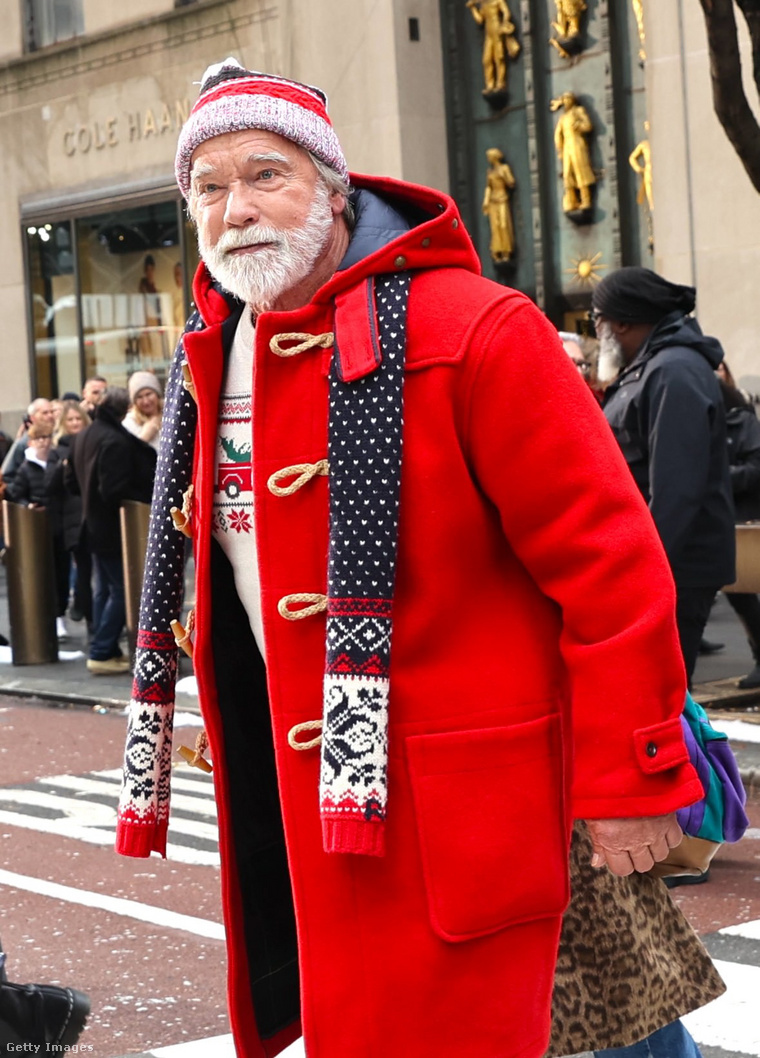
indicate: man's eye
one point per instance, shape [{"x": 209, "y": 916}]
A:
[
  {"x": 208, "y": 189},
  {"x": 266, "y": 174}
]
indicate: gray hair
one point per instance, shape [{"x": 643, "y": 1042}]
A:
[
  {"x": 335, "y": 184},
  {"x": 36, "y": 405}
]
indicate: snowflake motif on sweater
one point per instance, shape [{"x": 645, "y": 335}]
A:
[{"x": 233, "y": 484}]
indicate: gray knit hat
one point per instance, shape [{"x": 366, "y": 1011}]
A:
[{"x": 233, "y": 99}]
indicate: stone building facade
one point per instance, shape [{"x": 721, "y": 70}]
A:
[{"x": 97, "y": 251}]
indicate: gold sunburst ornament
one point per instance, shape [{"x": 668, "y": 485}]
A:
[{"x": 585, "y": 269}]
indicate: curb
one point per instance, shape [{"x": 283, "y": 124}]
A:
[
  {"x": 86, "y": 701},
  {"x": 59, "y": 698}
]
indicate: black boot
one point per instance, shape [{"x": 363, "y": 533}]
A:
[
  {"x": 752, "y": 679},
  {"x": 706, "y": 647},
  {"x": 41, "y": 1014}
]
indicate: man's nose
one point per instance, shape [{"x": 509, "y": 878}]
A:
[{"x": 241, "y": 208}]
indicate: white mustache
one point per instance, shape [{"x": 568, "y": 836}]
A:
[{"x": 255, "y": 235}]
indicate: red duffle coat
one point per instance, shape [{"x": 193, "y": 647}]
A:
[{"x": 535, "y": 668}]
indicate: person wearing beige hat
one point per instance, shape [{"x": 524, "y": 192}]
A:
[{"x": 144, "y": 416}]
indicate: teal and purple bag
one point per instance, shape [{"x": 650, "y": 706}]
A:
[{"x": 720, "y": 815}]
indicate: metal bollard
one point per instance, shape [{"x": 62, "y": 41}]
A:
[
  {"x": 747, "y": 559},
  {"x": 134, "y": 542},
  {"x": 31, "y": 584}
]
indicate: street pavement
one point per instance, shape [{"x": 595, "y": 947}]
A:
[{"x": 145, "y": 937}]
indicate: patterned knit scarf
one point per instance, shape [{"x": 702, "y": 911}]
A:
[{"x": 364, "y": 431}]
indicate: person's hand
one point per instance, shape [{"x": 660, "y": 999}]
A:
[
  {"x": 628, "y": 845},
  {"x": 151, "y": 428}
]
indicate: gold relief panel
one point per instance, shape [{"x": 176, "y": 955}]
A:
[
  {"x": 499, "y": 45},
  {"x": 500, "y": 182},
  {"x": 585, "y": 270},
  {"x": 568, "y": 39},
  {"x": 638, "y": 10},
  {"x": 570, "y": 140}
]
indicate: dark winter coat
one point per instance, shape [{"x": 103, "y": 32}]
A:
[
  {"x": 108, "y": 465},
  {"x": 64, "y": 506},
  {"x": 744, "y": 458},
  {"x": 666, "y": 411},
  {"x": 28, "y": 485}
]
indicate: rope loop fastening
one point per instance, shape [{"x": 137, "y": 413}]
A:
[
  {"x": 304, "y": 342},
  {"x": 299, "y": 729},
  {"x": 302, "y": 472},
  {"x": 312, "y": 604}
]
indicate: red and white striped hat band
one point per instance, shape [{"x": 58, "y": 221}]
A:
[{"x": 233, "y": 99}]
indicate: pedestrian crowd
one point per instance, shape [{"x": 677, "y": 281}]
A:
[{"x": 79, "y": 459}]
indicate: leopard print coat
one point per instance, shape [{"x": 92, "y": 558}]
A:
[{"x": 629, "y": 962}]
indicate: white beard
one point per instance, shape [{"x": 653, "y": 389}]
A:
[
  {"x": 611, "y": 360},
  {"x": 260, "y": 278}
]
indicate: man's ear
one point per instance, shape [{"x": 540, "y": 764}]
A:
[
  {"x": 337, "y": 203},
  {"x": 618, "y": 328}
]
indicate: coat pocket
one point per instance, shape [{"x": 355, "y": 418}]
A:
[{"x": 490, "y": 815}]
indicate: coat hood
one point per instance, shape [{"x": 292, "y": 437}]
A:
[
  {"x": 684, "y": 331},
  {"x": 399, "y": 227}
]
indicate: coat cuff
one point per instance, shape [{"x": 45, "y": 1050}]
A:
[
  {"x": 670, "y": 791},
  {"x": 353, "y": 835},
  {"x": 140, "y": 839},
  {"x": 660, "y": 746}
]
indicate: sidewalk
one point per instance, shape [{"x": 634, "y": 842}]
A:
[{"x": 69, "y": 683}]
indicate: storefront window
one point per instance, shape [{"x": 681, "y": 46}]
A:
[
  {"x": 110, "y": 294},
  {"x": 54, "y": 308},
  {"x": 132, "y": 282},
  {"x": 49, "y": 21}
]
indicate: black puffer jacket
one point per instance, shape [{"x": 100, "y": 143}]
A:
[
  {"x": 666, "y": 412},
  {"x": 64, "y": 508},
  {"x": 28, "y": 485},
  {"x": 744, "y": 457},
  {"x": 107, "y": 466}
]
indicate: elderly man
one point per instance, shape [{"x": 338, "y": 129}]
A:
[
  {"x": 413, "y": 882},
  {"x": 39, "y": 413},
  {"x": 666, "y": 410}
]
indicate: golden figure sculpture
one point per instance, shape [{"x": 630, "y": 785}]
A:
[
  {"x": 570, "y": 141},
  {"x": 638, "y": 10},
  {"x": 498, "y": 42},
  {"x": 499, "y": 183},
  {"x": 640, "y": 160},
  {"x": 568, "y": 23}
]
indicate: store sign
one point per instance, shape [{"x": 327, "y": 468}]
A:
[{"x": 128, "y": 127}]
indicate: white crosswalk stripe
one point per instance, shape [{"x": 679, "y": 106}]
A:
[
  {"x": 731, "y": 1022},
  {"x": 83, "y": 807},
  {"x": 726, "y": 1028},
  {"x": 729, "y": 1026}
]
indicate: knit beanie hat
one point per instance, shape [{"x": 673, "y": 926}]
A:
[
  {"x": 233, "y": 99},
  {"x": 639, "y": 295},
  {"x": 143, "y": 380}
]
